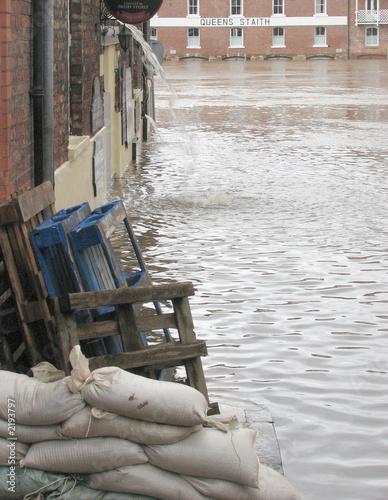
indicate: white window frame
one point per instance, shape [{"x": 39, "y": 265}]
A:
[
  {"x": 319, "y": 39},
  {"x": 370, "y": 37},
  {"x": 193, "y": 5},
  {"x": 320, "y": 7},
  {"x": 278, "y": 38},
  {"x": 239, "y": 39},
  {"x": 155, "y": 36},
  {"x": 239, "y": 5},
  {"x": 278, "y": 5},
  {"x": 193, "y": 38}
]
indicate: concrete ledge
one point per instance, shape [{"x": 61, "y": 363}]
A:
[
  {"x": 77, "y": 144},
  {"x": 267, "y": 445}
]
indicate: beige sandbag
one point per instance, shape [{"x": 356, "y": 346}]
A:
[
  {"x": 46, "y": 372},
  {"x": 11, "y": 452},
  {"x": 117, "y": 391},
  {"x": 35, "y": 402},
  {"x": 211, "y": 454},
  {"x": 83, "y": 455},
  {"x": 145, "y": 480},
  {"x": 274, "y": 486},
  {"x": 92, "y": 422},
  {"x": 31, "y": 433},
  {"x": 224, "y": 490}
]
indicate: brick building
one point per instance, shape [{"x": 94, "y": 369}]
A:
[
  {"x": 69, "y": 99},
  {"x": 272, "y": 28}
]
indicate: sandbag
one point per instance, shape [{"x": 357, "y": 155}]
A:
[
  {"x": 83, "y": 456},
  {"x": 31, "y": 433},
  {"x": 92, "y": 422},
  {"x": 11, "y": 452},
  {"x": 46, "y": 372},
  {"x": 224, "y": 490},
  {"x": 117, "y": 391},
  {"x": 145, "y": 480},
  {"x": 35, "y": 402},
  {"x": 272, "y": 486},
  {"x": 80, "y": 492},
  {"x": 211, "y": 454},
  {"x": 53, "y": 486}
]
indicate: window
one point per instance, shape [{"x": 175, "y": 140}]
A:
[
  {"x": 153, "y": 34},
  {"x": 278, "y": 6},
  {"x": 372, "y": 37},
  {"x": 236, "y": 37},
  {"x": 320, "y": 36},
  {"x": 235, "y": 7},
  {"x": 278, "y": 37},
  {"x": 193, "y": 37},
  {"x": 371, "y": 4},
  {"x": 320, "y": 6},
  {"x": 193, "y": 9}
]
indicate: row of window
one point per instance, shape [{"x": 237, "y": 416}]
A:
[
  {"x": 237, "y": 37},
  {"x": 236, "y": 7},
  {"x": 278, "y": 37}
]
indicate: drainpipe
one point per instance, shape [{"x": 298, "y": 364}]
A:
[
  {"x": 43, "y": 90},
  {"x": 349, "y": 26}
]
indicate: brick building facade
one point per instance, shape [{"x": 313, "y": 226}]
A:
[
  {"x": 84, "y": 61},
  {"x": 263, "y": 29}
]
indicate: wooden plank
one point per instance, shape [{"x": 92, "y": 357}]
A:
[
  {"x": 18, "y": 294},
  {"x": 9, "y": 213},
  {"x": 66, "y": 336},
  {"x": 7, "y": 353},
  {"x": 97, "y": 329},
  {"x": 5, "y": 296},
  {"x": 142, "y": 294},
  {"x": 153, "y": 357},
  {"x": 130, "y": 336},
  {"x": 110, "y": 222},
  {"x": 108, "y": 328},
  {"x": 19, "y": 351},
  {"x": 156, "y": 322},
  {"x": 7, "y": 312},
  {"x": 32, "y": 311},
  {"x": 35, "y": 200},
  {"x": 194, "y": 369}
]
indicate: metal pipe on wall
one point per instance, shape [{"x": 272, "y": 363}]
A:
[{"x": 42, "y": 91}]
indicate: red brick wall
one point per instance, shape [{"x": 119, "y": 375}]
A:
[
  {"x": 358, "y": 49},
  {"x": 16, "y": 156},
  {"x": 61, "y": 82},
  {"x": 16, "y": 80},
  {"x": 84, "y": 61},
  {"x": 215, "y": 41}
]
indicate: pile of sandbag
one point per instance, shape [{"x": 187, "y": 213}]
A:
[{"x": 113, "y": 431}]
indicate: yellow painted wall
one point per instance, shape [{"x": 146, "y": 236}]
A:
[{"x": 74, "y": 179}]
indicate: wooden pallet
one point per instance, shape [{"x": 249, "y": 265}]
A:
[
  {"x": 17, "y": 219},
  {"x": 48, "y": 325},
  {"x": 186, "y": 350}
]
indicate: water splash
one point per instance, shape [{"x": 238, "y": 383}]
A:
[
  {"x": 154, "y": 125},
  {"x": 155, "y": 68}
]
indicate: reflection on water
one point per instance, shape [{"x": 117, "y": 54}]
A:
[{"x": 270, "y": 194}]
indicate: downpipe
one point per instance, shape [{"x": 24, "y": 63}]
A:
[{"x": 42, "y": 91}]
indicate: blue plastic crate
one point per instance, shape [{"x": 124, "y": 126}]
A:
[
  {"x": 96, "y": 259},
  {"x": 51, "y": 245}
]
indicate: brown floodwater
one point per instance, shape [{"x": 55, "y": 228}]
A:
[{"x": 266, "y": 185}]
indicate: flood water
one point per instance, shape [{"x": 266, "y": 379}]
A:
[{"x": 266, "y": 186}]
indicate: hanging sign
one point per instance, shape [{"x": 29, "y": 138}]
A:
[{"x": 133, "y": 12}]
